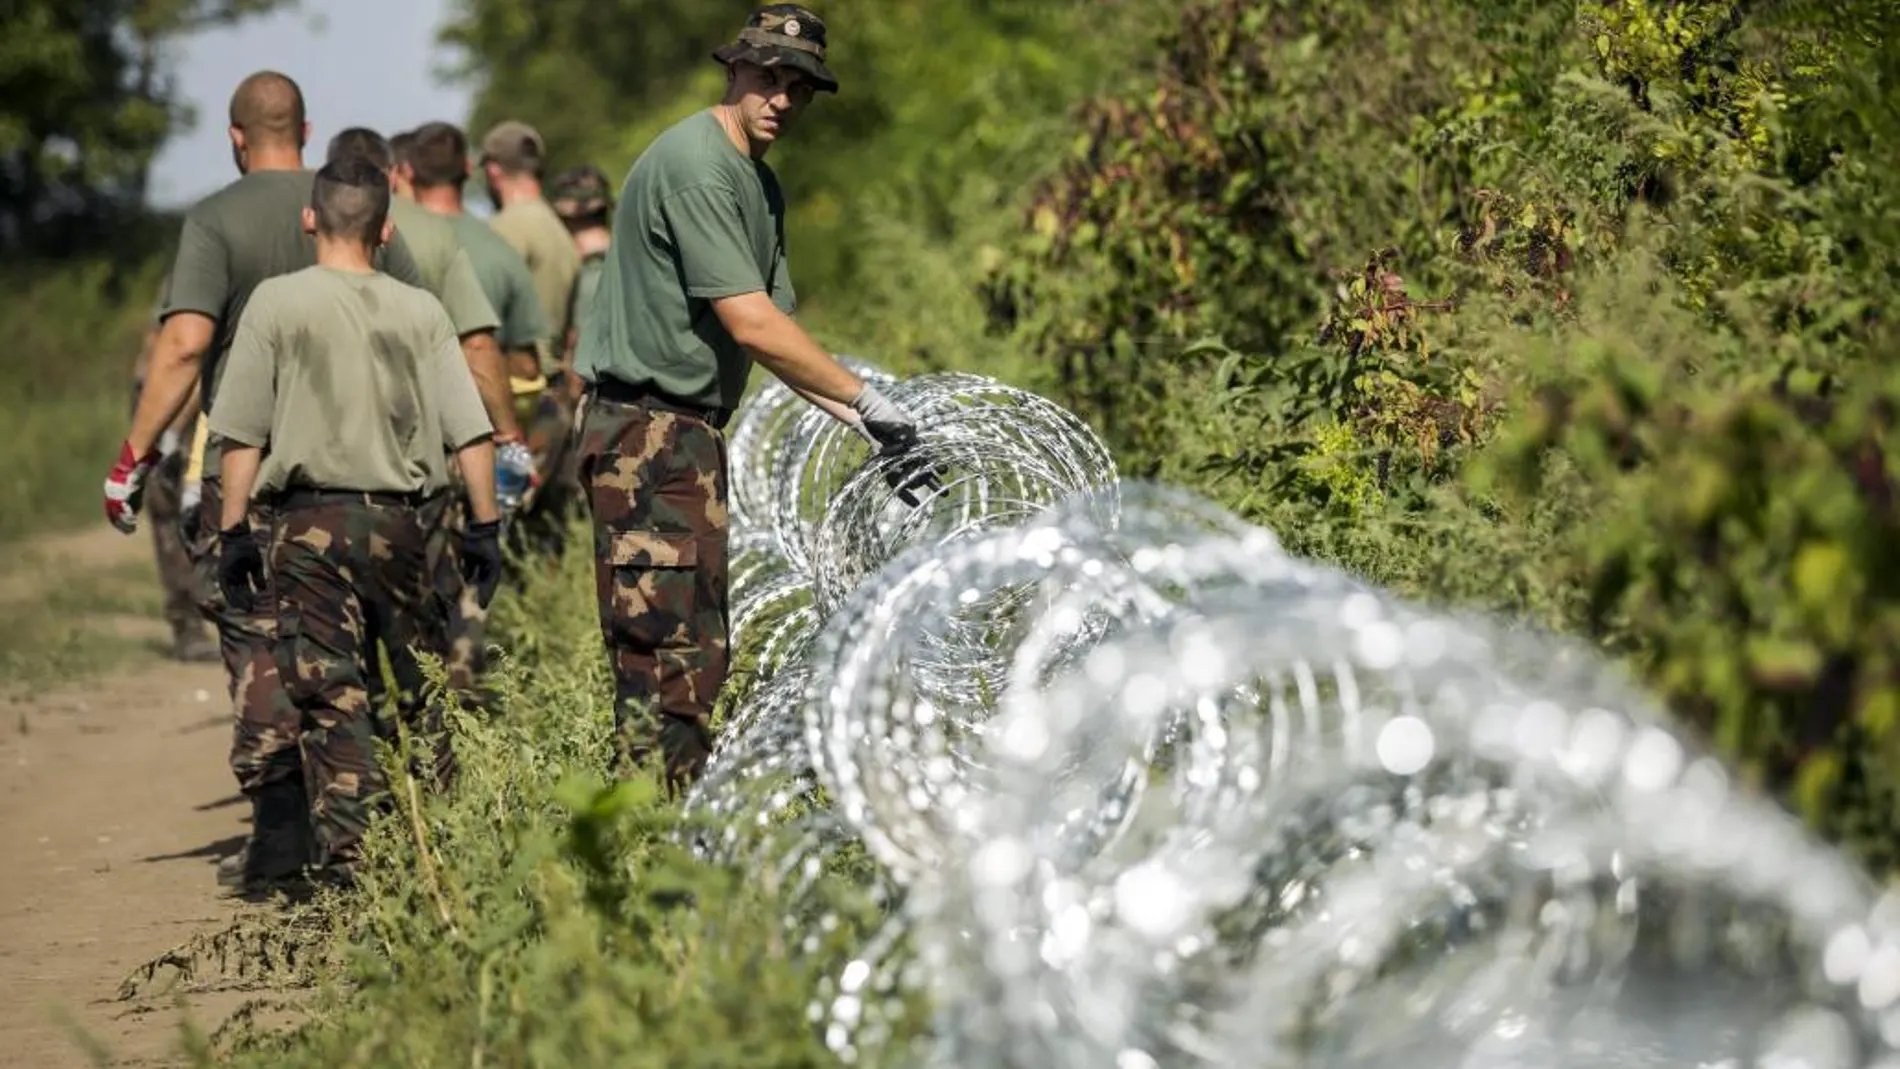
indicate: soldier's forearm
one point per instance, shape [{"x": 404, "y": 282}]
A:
[
  {"x": 477, "y": 462},
  {"x": 169, "y": 386},
  {"x": 780, "y": 344},
  {"x": 238, "y": 472},
  {"x": 490, "y": 370},
  {"x": 840, "y": 412}
]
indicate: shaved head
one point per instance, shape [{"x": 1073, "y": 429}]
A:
[
  {"x": 268, "y": 108},
  {"x": 350, "y": 199}
]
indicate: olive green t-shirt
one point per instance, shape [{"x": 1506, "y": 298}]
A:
[
  {"x": 697, "y": 220},
  {"x": 236, "y": 238},
  {"x": 348, "y": 381},
  {"x": 446, "y": 271},
  {"x": 538, "y": 234},
  {"x": 505, "y": 280},
  {"x": 586, "y": 284}
]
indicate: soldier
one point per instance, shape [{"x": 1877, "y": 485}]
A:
[
  {"x": 446, "y": 272},
  {"x": 504, "y": 281},
  {"x": 511, "y": 161},
  {"x": 433, "y": 165},
  {"x": 230, "y": 242},
  {"x": 584, "y": 201},
  {"x": 165, "y": 501},
  {"x": 344, "y": 393},
  {"x": 696, "y": 288}
]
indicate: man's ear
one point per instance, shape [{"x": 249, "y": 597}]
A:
[
  {"x": 237, "y": 136},
  {"x": 309, "y": 220},
  {"x": 306, "y": 136},
  {"x": 388, "y": 232}
]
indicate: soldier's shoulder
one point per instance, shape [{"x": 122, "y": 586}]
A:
[
  {"x": 472, "y": 232},
  {"x": 259, "y": 187},
  {"x": 689, "y": 150},
  {"x": 277, "y": 287},
  {"x": 275, "y": 296},
  {"x": 413, "y": 302},
  {"x": 412, "y": 217}
]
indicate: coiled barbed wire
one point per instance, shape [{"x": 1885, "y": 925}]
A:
[{"x": 1138, "y": 788}]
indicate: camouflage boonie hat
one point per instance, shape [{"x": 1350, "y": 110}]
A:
[
  {"x": 579, "y": 192},
  {"x": 783, "y": 35}
]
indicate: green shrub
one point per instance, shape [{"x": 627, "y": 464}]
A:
[{"x": 75, "y": 329}]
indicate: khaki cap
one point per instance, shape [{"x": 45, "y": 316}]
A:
[{"x": 514, "y": 145}]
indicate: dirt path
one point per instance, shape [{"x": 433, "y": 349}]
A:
[{"x": 115, "y": 804}]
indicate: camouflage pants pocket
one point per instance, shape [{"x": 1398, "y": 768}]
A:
[
  {"x": 654, "y": 589},
  {"x": 300, "y": 686}
]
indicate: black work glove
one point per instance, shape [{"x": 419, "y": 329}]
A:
[
  {"x": 894, "y": 432},
  {"x": 481, "y": 559},
  {"x": 240, "y": 567}
]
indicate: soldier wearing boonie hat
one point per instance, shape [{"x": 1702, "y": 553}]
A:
[
  {"x": 584, "y": 201},
  {"x": 697, "y": 287}
]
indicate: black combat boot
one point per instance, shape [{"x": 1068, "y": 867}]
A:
[{"x": 280, "y": 845}]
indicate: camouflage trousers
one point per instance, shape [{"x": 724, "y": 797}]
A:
[
  {"x": 163, "y": 509},
  {"x": 656, "y": 484},
  {"x": 264, "y": 730},
  {"x": 350, "y": 573}
]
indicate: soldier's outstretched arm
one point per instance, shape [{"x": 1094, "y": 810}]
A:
[
  {"x": 776, "y": 341},
  {"x": 779, "y": 343}
]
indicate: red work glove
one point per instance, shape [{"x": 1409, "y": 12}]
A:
[{"x": 125, "y": 487}]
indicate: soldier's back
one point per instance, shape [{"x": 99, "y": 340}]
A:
[
  {"x": 446, "y": 269},
  {"x": 360, "y": 362},
  {"x": 532, "y": 228},
  {"x": 506, "y": 282},
  {"x": 232, "y": 240},
  {"x": 239, "y": 237},
  {"x": 431, "y": 239}
]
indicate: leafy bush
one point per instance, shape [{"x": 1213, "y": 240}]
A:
[{"x": 1579, "y": 321}]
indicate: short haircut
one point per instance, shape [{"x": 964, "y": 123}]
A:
[
  {"x": 361, "y": 143},
  {"x": 439, "y": 155},
  {"x": 268, "y": 107},
  {"x": 402, "y": 147},
  {"x": 351, "y": 200}
]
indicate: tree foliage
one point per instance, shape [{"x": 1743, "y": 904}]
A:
[
  {"x": 86, "y": 100},
  {"x": 934, "y": 97}
]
